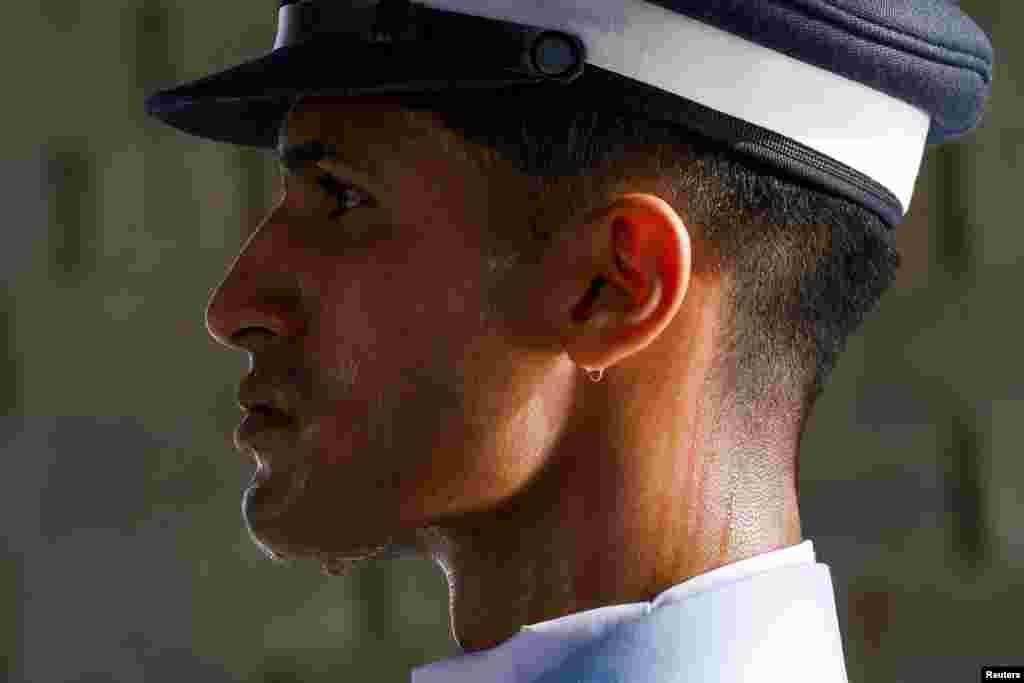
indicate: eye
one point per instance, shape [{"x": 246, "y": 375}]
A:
[{"x": 348, "y": 196}]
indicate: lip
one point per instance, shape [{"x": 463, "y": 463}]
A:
[
  {"x": 261, "y": 429},
  {"x": 255, "y": 394}
]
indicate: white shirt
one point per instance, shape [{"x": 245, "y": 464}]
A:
[{"x": 770, "y": 633}]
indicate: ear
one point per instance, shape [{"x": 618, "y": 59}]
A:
[{"x": 636, "y": 279}]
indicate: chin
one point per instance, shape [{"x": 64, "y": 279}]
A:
[
  {"x": 333, "y": 562},
  {"x": 278, "y": 527}
]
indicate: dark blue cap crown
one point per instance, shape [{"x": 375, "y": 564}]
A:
[{"x": 925, "y": 52}]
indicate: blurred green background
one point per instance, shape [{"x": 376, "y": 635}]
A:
[{"x": 125, "y": 558}]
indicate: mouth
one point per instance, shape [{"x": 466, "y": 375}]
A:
[
  {"x": 267, "y": 436},
  {"x": 262, "y": 431},
  {"x": 263, "y": 419}
]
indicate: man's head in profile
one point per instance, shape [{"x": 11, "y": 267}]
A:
[{"x": 429, "y": 295}]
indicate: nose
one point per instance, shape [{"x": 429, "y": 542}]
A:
[{"x": 259, "y": 300}]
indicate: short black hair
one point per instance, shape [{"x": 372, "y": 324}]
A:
[{"x": 805, "y": 267}]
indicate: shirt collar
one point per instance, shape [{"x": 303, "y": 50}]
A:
[{"x": 537, "y": 647}]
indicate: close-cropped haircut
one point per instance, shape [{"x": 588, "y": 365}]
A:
[{"x": 801, "y": 267}]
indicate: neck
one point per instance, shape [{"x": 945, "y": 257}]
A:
[{"x": 613, "y": 523}]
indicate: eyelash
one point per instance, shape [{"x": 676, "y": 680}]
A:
[{"x": 340, "y": 191}]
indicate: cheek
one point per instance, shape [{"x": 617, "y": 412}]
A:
[
  {"x": 375, "y": 335},
  {"x": 390, "y": 347},
  {"x": 410, "y": 294}
]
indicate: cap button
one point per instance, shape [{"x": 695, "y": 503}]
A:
[{"x": 555, "y": 54}]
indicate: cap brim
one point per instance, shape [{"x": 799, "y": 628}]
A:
[{"x": 243, "y": 105}]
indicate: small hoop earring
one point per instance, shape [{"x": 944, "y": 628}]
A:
[{"x": 595, "y": 375}]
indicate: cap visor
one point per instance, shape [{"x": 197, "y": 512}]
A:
[{"x": 243, "y": 105}]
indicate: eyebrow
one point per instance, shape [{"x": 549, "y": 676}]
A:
[{"x": 297, "y": 158}]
